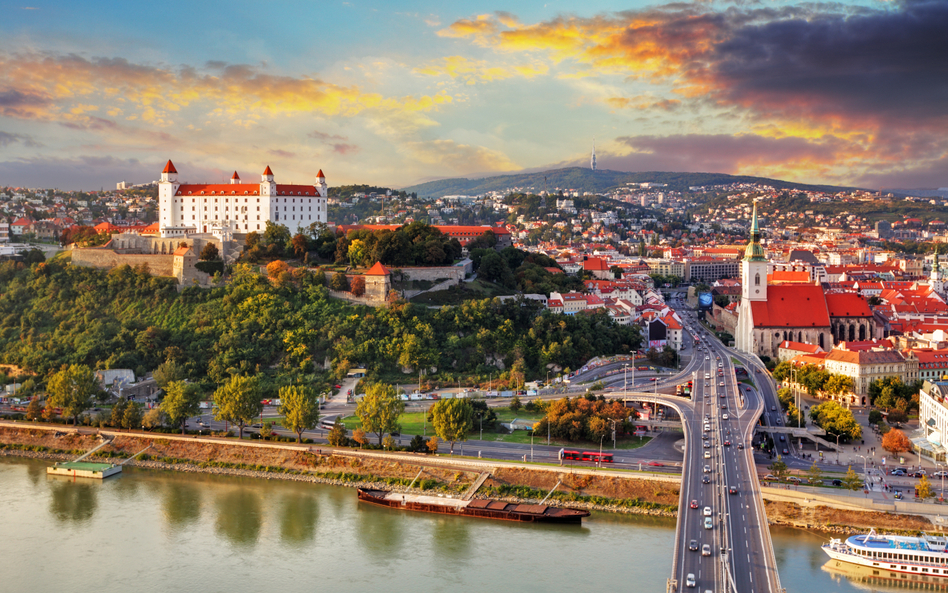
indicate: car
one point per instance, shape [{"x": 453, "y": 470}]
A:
[
  {"x": 837, "y": 482},
  {"x": 707, "y": 415},
  {"x": 794, "y": 479},
  {"x": 707, "y": 454},
  {"x": 655, "y": 464},
  {"x": 707, "y": 357},
  {"x": 740, "y": 445},
  {"x": 770, "y": 477},
  {"x": 724, "y": 416},
  {"x": 707, "y": 511},
  {"x": 785, "y": 452},
  {"x": 782, "y": 438},
  {"x": 693, "y": 545},
  {"x": 918, "y": 474},
  {"x": 690, "y": 580},
  {"x": 338, "y": 386},
  {"x": 940, "y": 475},
  {"x": 727, "y": 443},
  {"x": 707, "y": 469},
  {"x": 705, "y": 480},
  {"x": 779, "y": 422},
  {"x": 723, "y": 406},
  {"x": 706, "y": 550},
  {"x": 773, "y": 408},
  {"x": 721, "y": 384},
  {"x": 654, "y": 379},
  {"x": 707, "y": 444},
  {"x": 694, "y": 504},
  {"x": 708, "y": 523},
  {"x": 732, "y": 490}
]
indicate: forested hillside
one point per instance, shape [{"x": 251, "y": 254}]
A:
[{"x": 53, "y": 314}]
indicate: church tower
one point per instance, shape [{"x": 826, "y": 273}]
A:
[
  {"x": 753, "y": 289},
  {"x": 936, "y": 282},
  {"x": 754, "y": 267}
]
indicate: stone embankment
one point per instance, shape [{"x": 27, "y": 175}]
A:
[{"x": 607, "y": 491}]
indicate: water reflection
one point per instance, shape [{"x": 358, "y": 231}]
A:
[
  {"x": 181, "y": 503},
  {"x": 73, "y": 499},
  {"x": 239, "y": 517},
  {"x": 125, "y": 489},
  {"x": 452, "y": 537},
  {"x": 35, "y": 473},
  {"x": 298, "y": 524},
  {"x": 379, "y": 531},
  {"x": 869, "y": 579}
]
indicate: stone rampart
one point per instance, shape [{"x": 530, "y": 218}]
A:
[{"x": 158, "y": 265}]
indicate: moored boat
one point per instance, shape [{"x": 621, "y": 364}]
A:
[
  {"x": 925, "y": 555},
  {"x": 480, "y": 508}
]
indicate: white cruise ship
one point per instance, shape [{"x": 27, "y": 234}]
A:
[{"x": 924, "y": 555}]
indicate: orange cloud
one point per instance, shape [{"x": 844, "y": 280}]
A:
[
  {"x": 473, "y": 71},
  {"x": 461, "y": 159}
]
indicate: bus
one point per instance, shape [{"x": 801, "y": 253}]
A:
[
  {"x": 327, "y": 423},
  {"x": 593, "y": 456}
]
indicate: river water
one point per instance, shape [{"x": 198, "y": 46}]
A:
[{"x": 149, "y": 531}]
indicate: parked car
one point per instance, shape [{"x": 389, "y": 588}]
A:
[
  {"x": 837, "y": 482},
  {"x": 794, "y": 479}
]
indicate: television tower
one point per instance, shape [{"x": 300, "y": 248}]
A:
[{"x": 592, "y": 161}]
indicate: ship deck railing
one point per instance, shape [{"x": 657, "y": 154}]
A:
[{"x": 888, "y": 561}]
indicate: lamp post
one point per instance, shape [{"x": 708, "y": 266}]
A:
[
  {"x": 480, "y": 418},
  {"x": 614, "y": 439},
  {"x": 837, "y": 449},
  {"x": 625, "y": 380},
  {"x": 599, "y": 461},
  {"x": 942, "y": 472},
  {"x": 865, "y": 472}
]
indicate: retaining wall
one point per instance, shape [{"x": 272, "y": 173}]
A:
[{"x": 158, "y": 265}]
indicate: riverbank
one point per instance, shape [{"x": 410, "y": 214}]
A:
[{"x": 606, "y": 491}]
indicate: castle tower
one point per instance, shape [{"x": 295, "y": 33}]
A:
[
  {"x": 167, "y": 188},
  {"x": 267, "y": 185},
  {"x": 592, "y": 161},
  {"x": 235, "y": 178},
  {"x": 321, "y": 186}
]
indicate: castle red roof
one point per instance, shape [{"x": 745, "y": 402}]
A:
[
  {"x": 235, "y": 175},
  {"x": 267, "y": 171},
  {"x": 791, "y": 305},
  {"x": 378, "y": 270},
  {"x": 243, "y": 189},
  {"x": 169, "y": 168},
  {"x": 320, "y": 174}
]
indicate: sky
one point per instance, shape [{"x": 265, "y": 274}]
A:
[{"x": 393, "y": 93}]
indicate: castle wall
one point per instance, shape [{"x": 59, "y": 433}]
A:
[{"x": 158, "y": 265}]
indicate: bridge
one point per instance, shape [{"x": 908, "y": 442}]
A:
[{"x": 730, "y": 518}]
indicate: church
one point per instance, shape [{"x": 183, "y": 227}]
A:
[
  {"x": 778, "y": 306},
  {"x": 222, "y": 208}
]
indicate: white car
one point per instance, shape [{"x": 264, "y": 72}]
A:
[
  {"x": 690, "y": 580},
  {"x": 724, "y": 416},
  {"x": 707, "y": 470},
  {"x": 708, "y": 523},
  {"x": 707, "y": 511},
  {"x": 706, "y": 550}
]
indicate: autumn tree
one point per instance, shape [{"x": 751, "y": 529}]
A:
[
  {"x": 836, "y": 420},
  {"x": 379, "y": 409},
  {"x": 815, "y": 475},
  {"x": 452, "y": 419},
  {"x": 72, "y": 389},
  {"x": 238, "y": 401},
  {"x": 339, "y": 282},
  {"x": 852, "y": 481},
  {"x": 778, "y": 468},
  {"x": 925, "y": 489},
  {"x": 277, "y": 268},
  {"x": 895, "y": 442},
  {"x": 299, "y": 406},
  {"x": 182, "y": 400},
  {"x": 34, "y": 410},
  {"x": 210, "y": 252},
  {"x": 338, "y": 436},
  {"x": 357, "y": 286},
  {"x": 300, "y": 244}
]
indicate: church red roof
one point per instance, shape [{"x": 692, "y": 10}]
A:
[
  {"x": 378, "y": 270},
  {"x": 847, "y": 304},
  {"x": 791, "y": 305},
  {"x": 169, "y": 168}
]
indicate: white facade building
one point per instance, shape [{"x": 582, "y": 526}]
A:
[{"x": 242, "y": 207}]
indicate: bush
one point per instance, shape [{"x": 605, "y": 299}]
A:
[{"x": 210, "y": 267}]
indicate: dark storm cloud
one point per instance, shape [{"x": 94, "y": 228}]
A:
[{"x": 878, "y": 66}]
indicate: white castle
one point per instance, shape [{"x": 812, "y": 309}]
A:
[{"x": 237, "y": 207}]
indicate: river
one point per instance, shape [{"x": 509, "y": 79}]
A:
[{"x": 150, "y": 531}]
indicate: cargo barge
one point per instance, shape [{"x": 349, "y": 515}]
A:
[{"x": 480, "y": 508}]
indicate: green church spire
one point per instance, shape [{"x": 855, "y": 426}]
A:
[{"x": 754, "y": 251}]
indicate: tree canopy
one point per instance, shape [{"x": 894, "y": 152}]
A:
[
  {"x": 836, "y": 420},
  {"x": 182, "y": 400},
  {"x": 238, "y": 401},
  {"x": 300, "y": 409},
  {"x": 452, "y": 418},
  {"x": 379, "y": 409},
  {"x": 72, "y": 389}
]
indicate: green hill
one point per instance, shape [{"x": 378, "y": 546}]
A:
[{"x": 584, "y": 179}]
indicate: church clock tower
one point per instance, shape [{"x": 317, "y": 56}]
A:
[{"x": 754, "y": 267}]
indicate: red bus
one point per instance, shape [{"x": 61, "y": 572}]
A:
[
  {"x": 592, "y": 456},
  {"x": 597, "y": 457}
]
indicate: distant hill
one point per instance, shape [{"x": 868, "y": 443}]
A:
[{"x": 584, "y": 179}]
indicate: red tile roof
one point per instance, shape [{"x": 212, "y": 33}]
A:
[
  {"x": 378, "y": 270},
  {"x": 595, "y": 264},
  {"x": 320, "y": 174},
  {"x": 791, "y": 305},
  {"x": 243, "y": 189},
  {"x": 267, "y": 171},
  {"x": 169, "y": 168},
  {"x": 182, "y": 250},
  {"x": 235, "y": 175},
  {"x": 787, "y": 276},
  {"x": 847, "y": 304},
  {"x": 800, "y": 347}
]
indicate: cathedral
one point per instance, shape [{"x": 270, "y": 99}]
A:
[
  {"x": 776, "y": 307},
  {"x": 221, "y": 208}
]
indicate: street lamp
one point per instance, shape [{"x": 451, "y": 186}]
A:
[
  {"x": 599, "y": 462},
  {"x": 865, "y": 472},
  {"x": 837, "y": 449},
  {"x": 625, "y": 380},
  {"x": 942, "y": 472}
]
